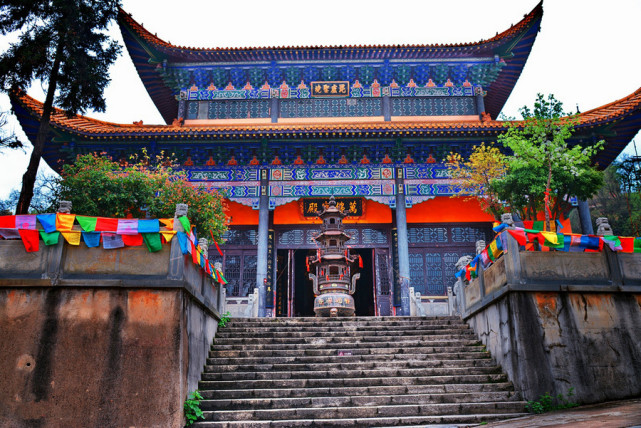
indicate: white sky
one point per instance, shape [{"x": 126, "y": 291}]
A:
[{"x": 587, "y": 52}]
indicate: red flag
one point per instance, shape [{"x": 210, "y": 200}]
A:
[
  {"x": 104, "y": 224},
  {"x": 208, "y": 267},
  {"x": 360, "y": 261},
  {"x": 307, "y": 263},
  {"x": 215, "y": 243},
  {"x": 627, "y": 244},
  {"x": 8, "y": 222},
  {"x": 519, "y": 235},
  {"x": 30, "y": 239},
  {"x": 132, "y": 240}
]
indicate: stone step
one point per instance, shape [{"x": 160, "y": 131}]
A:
[
  {"x": 372, "y": 336},
  {"x": 379, "y": 338},
  {"x": 452, "y": 388},
  {"x": 363, "y": 319},
  {"x": 472, "y": 353},
  {"x": 328, "y": 351},
  {"x": 347, "y": 382},
  {"x": 361, "y": 365},
  {"x": 355, "y": 401},
  {"x": 444, "y": 421},
  {"x": 367, "y": 411},
  {"x": 288, "y": 331},
  {"x": 344, "y": 344},
  {"x": 345, "y": 374}
]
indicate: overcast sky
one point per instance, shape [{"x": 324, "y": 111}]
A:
[{"x": 587, "y": 53}]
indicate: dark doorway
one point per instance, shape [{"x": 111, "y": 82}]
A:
[
  {"x": 283, "y": 270},
  {"x": 364, "y": 296},
  {"x": 303, "y": 293}
]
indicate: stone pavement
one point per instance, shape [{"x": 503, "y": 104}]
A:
[{"x": 613, "y": 414}]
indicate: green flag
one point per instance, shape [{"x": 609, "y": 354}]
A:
[
  {"x": 88, "y": 224},
  {"x": 50, "y": 238},
  {"x": 637, "y": 245},
  {"x": 185, "y": 222},
  {"x": 152, "y": 241}
]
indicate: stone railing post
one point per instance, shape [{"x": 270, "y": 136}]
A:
[
  {"x": 176, "y": 259},
  {"x": 480, "y": 246},
  {"x": 511, "y": 253}
]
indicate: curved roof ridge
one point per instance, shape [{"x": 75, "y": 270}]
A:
[
  {"x": 83, "y": 124},
  {"x": 514, "y": 29}
]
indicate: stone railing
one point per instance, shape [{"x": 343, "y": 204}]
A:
[
  {"x": 605, "y": 271},
  {"x": 560, "y": 320},
  {"x": 94, "y": 335}
]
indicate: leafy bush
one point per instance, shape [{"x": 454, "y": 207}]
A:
[
  {"x": 192, "y": 407},
  {"x": 98, "y": 186},
  {"x": 224, "y": 319},
  {"x": 548, "y": 403}
]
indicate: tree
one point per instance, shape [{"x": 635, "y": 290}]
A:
[
  {"x": 618, "y": 201},
  {"x": 523, "y": 189},
  {"x": 475, "y": 177},
  {"x": 540, "y": 143},
  {"x": 63, "y": 44},
  {"x": 44, "y": 197},
  {"x": 98, "y": 186},
  {"x": 7, "y": 139}
]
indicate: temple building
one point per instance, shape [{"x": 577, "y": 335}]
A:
[{"x": 283, "y": 129}]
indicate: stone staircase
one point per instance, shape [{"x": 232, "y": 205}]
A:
[{"x": 357, "y": 372}]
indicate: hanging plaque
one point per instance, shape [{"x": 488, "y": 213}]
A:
[
  {"x": 330, "y": 89},
  {"x": 353, "y": 207}
]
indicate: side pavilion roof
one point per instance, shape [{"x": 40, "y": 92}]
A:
[
  {"x": 148, "y": 52},
  {"x": 617, "y": 123}
]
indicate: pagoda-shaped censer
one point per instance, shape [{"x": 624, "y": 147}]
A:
[{"x": 333, "y": 284}]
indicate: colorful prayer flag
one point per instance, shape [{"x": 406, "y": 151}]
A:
[
  {"x": 127, "y": 226},
  {"x": 519, "y": 235},
  {"x": 152, "y": 241},
  {"x": 184, "y": 242},
  {"x": 132, "y": 240},
  {"x": 104, "y": 224},
  {"x": 111, "y": 241},
  {"x": 48, "y": 222},
  {"x": 8, "y": 222},
  {"x": 167, "y": 222},
  {"x": 71, "y": 236},
  {"x": 30, "y": 239},
  {"x": 88, "y": 224},
  {"x": 184, "y": 221},
  {"x": 64, "y": 221},
  {"x": 26, "y": 222},
  {"x": 50, "y": 238},
  {"x": 92, "y": 239},
  {"x": 148, "y": 226},
  {"x": 168, "y": 234}
]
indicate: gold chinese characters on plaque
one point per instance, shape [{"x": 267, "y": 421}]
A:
[{"x": 330, "y": 89}]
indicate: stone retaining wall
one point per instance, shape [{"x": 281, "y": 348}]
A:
[{"x": 93, "y": 337}]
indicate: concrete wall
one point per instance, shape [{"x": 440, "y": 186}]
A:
[
  {"x": 559, "y": 320},
  {"x": 551, "y": 341},
  {"x": 104, "y": 338}
]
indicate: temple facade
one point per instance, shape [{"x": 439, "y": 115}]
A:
[{"x": 283, "y": 129}]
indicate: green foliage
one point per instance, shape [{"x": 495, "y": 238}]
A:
[
  {"x": 523, "y": 189},
  {"x": 224, "y": 319},
  {"x": 43, "y": 201},
  {"x": 476, "y": 176},
  {"x": 98, "y": 186},
  {"x": 548, "y": 403},
  {"x": 619, "y": 201},
  {"x": 192, "y": 408},
  {"x": 63, "y": 44},
  {"x": 540, "y": 143}
]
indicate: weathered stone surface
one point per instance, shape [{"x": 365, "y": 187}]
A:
[
  {"x": 551, "y": 341},
  {"x": 576, "y": 267},
  {"x": 108, "y": 349},
  {"x": 472, "y": 293},
  {"x": 494, "y": 276}
]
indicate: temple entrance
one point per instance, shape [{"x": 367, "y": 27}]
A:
[
  {"x": 294, "y": 294},
  {"x": 364, "y": 296}
]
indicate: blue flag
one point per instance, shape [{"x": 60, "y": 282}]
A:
[
  {"x": 92, "y": 239},
  {"x": 48, "y": 222}
]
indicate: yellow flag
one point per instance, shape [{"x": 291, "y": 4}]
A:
[
  {"x": 72, "y": 237},
  {"x": 64, "y": 221},
  {"x": 551, "y": 237},
  {"x": 168, "y": 234},
  {"x": 167, "y": 222}
]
